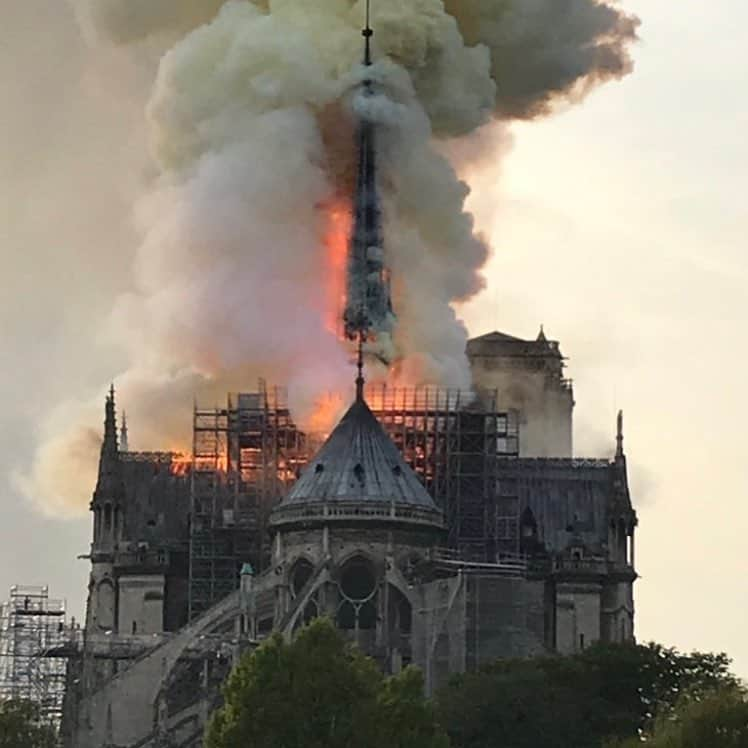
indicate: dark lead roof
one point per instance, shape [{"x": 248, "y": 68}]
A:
[{"x": 359, "y": 463}]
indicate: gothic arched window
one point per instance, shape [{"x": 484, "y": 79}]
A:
[{"x": 358, "y": 593}]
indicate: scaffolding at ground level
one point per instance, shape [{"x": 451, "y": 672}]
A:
[
  {"x": 246, "y": 456},
  {"x": 32, "y": 627}
]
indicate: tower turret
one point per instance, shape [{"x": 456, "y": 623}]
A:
[
  {"x": 107, "y": 506},
  {"x": 108, "y": 498}
]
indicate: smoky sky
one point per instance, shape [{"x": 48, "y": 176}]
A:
[{"x": 102, "y": 172}]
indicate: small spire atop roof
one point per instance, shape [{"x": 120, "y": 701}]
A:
[
  {"x": 123, "y": 438},
  {"x": 619, "y": 434},
  {"x": 541, "y": 335},
  {"x": 110, "y": 422},
  {"x": 109, "y": 486}
]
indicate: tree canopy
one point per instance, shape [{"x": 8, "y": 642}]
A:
[
  {"x": 20, "y": 728},
  {"x": 715, "y": 720},
  {"x": 319, "y": 692},
  {"x": 580, "y": 701}
]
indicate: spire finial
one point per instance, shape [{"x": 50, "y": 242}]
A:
[
  {"x": 360, "y": 368},
  {"x": 619, "y": 434},
  {"x": 123, "y": 437},
  {"x": 367, "y": 33},
  {"x": 109, "y": 445}
]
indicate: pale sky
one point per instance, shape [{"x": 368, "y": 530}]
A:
[{"x": 619, "y": 224}]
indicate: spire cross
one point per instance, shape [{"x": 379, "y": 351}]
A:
[{"x": 367, "y": 33}]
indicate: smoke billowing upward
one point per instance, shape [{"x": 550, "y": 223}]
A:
[
  {"x": 546, "y": 51},
  {"x": 250, "y": 120}
]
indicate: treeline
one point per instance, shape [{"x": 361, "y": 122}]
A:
[{"x": 318, "y": 692}]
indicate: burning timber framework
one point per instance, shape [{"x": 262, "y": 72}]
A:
[
  {"x": 32, "y": 628},
  {"x": 248, "y": 454}
]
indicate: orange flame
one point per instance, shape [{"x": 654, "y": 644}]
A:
[
  {"x": 327, "y": 410},
  {"x": 337, "y": 232},
  {"x": 180, "y": 464}
]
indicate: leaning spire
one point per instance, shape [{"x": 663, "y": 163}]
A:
[{"x": 368, "y": 304}]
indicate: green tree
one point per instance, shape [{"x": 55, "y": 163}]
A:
[
  {"x": 20, "y": 728},
  {"x": 574, "y": 702},
  {"x": 318, "y": 692},
  {"x": 715, "y": 720}
]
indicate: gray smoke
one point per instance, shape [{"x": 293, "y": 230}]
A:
[
  {"x": 545, "y": 51},
  {"x": 250, "y": 128}
]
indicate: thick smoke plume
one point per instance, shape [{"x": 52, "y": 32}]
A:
[{"x": 251, "y": 120}]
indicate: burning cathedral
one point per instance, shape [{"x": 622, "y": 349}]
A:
[{"x": 438, "y": 527}]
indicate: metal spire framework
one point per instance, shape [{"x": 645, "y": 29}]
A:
[{"x": 368, "y": 304}]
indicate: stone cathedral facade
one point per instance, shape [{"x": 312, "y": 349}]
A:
[{"x": 358, "y": 538}]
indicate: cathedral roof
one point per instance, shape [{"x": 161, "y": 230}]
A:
[{"x": 360, "y": 468}]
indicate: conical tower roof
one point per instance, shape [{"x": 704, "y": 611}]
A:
[{"x": 358, "y": 475}]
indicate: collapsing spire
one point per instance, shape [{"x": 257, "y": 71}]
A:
[{"x": 368, "y": 305}]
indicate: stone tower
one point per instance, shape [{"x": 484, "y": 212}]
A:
[
  {"x": 529, "y": 378},
  {"x": 108, "y": 506}
]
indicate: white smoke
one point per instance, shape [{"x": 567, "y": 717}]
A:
[{"x": 250, "y": 127}]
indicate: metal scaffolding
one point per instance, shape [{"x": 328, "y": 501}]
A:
[
  {"x": 32, "y": 628},
  {"x": 452, "y": 440},
  {"x": 247, "y": 455}
]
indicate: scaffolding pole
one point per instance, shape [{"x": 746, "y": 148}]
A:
[{"x": 32, "y": 629}]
